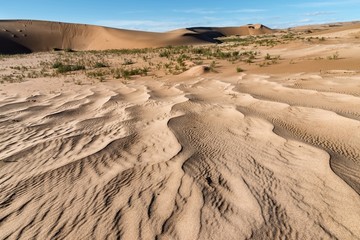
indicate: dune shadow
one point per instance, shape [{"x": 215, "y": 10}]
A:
[
  {"x": 11, "y": 47},
  {"x": 205, "y": 34}
]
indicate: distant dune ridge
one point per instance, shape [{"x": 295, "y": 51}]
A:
[{"x": 26, "y": 36}]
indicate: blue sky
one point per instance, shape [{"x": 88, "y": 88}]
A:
[{"x": 166, "y": 15}]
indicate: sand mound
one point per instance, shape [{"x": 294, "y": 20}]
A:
[
  {"x": 34, "y": 36},
  {"x": 196, "y": 71}
]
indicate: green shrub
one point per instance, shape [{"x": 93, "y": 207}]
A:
[
  {"x": 127, "y": 73},
  {"x": 57, "y": 64},
  {"x": 128, "y": 62},
  {"x": 63, "y": 68},
  {"x": 165, "y": 53},
  {"x": 239, "y": 69},
  {"x": 213, "y": 66},
  {"x": 96, "y": 74},
  {"x": 100, "y": 65}
]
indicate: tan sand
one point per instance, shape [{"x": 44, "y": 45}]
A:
[
  {"x": 24, "y": 36},
  {"x": 269, "y": 153}
]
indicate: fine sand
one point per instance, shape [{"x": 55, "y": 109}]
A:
[{"x": 266, "y": 153}]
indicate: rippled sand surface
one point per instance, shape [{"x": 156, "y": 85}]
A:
[{"x": 244, "y": 157}]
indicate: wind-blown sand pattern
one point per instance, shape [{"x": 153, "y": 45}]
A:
[
  {"x": 215, "y": 156},
  {"x": 204, "y": 159}
]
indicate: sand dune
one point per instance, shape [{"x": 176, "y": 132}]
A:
[
  {"x": 25, "y": 36},
  {"x": 266, "y": 153}
]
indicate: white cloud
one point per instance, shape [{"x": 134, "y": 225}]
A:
[
  {"x": 304, "y": 20},
  {"x": 204, "y": 20},
  {"x": 157, "y": 26},
  {"x": 246, "y": 11},
  {"x": 196, "y": 11},
  {"x": 319, "y": 13},
  {"x": 325, "y": 3},
  {"x": 219, "y": 11},
  {"x": 163, "y": 25},
  {"x": 134, "y": 12},
  {"x": 146, "y": 25}
]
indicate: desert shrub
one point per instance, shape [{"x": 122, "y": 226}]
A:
[
  {"x": 127, "y": 73},
  {"x": 57, "y": 64},
  {"x": 274, "y": 59},
  {"x": 289, "y": 35},
  {"x": 335, "y": 56},
  {"x": 235, "y": 53},
  {"x": 125, "y": 51},
  {"x": 100, "y": 65},
  {"x": 213, "y": 66},
  {"x": 96, "y": 74},
  {"x": 70, "y": 68},
  {"x": 63, "y": 68},
  {"x": 239, "y": 69},
  {"x": 165, "y": 53},
  {"x": 128, "y": 62}
]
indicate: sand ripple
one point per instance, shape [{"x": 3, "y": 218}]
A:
[{"x": 257, "y": 157}]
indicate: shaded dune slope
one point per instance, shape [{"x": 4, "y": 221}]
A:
[{"x": 23, "y": 36}]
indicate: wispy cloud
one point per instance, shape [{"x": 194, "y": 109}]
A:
[
  {"x": 203, "y": 17},
  {"x": 304, "y": 20},
  {"x": 301, "y": 22},
  {"x": 134, "y": 12},
  {"x": 254, "y": 10},
  {"x": 218, "y": 11},
  {"x": 325, "y": 3},
  {"x": 120, "y": 23},
  {"x": 156, "y": 26},
  {"x": 319, "y": 13},
  {"x": 147, "y": 25},
  {"x": 195, "y": 11}
]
